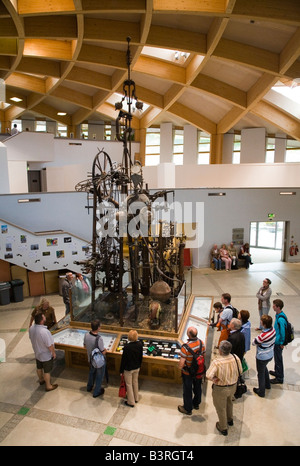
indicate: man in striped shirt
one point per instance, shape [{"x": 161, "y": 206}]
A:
[
  {"x": 264, "y": 354},
  {"x": 190, "y": 384},
  {"x": 224, "y": 372}
]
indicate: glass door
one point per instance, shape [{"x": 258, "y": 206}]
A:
[{"x": 267, "y": 235}]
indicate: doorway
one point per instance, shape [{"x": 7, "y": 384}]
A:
[
  {"x": 34, "y": 181},
  {"x": 267, "y": 241}
]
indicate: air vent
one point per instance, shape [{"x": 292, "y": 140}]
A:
[
  {"x": 287, "y": 193},
  {"x": 217, "y": 194},
  {"x": 25, "y": 201}
]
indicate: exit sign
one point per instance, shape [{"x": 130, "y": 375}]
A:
[{"x": 271, "y": 215}]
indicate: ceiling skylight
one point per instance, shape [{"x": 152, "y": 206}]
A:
[
  {"x": 291, "y": 92},
  {"x": 174, "y": 56}
]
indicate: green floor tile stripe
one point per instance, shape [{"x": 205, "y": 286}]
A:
[
  {"x": 23, "y": 411},
  {"x": 110, "y": 430}
]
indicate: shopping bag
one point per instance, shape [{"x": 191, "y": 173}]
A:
[{"x": 122, "y": 389}]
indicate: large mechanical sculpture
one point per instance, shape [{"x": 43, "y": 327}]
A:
[{"x": 130, "y": 240}]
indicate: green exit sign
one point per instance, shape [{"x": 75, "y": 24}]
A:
[{"x": 271, "y": 215}]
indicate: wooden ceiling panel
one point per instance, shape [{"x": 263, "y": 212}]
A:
[{"x": 72, "y": 54}]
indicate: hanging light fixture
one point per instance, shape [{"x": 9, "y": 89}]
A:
[{"x": 129, "y": 96}]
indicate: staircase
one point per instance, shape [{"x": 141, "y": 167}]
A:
[{"x": 41, "y": 251}]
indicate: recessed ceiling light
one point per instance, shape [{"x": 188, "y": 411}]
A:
[
  {"x": 61, "y": 113},
  {"x": 16, "y": 99}
]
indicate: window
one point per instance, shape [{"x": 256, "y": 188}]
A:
[
  {"x": 107, "y": 132},
  {"x": 152, "y": 150},
  {"x": 84, "y": 131},
  {"x": 62, "y": 130},
  {"x": 203, "y": 148},
  {"x": 178, "y": 141},
  {"x": 18, "y": 123},
  {"x": 40, "y": 126},
  {"x": 270, "y": 150},
  {"x": 292, "y": 152},
  {"x": 236, "y": 156}
]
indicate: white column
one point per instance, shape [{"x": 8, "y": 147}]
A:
[
  {"x": 190, "y": 152},
  {"x": 280, "y": 147},
  {"x": 166, "y": 143},
  {"x": 228, "y": 148},
  {"x": 253, "y": 145}
]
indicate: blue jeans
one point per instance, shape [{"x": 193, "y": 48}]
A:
[
  {"x": 218, "y": 263},
  {"x": 95, "y": 378},
  {"x": 191, "y": 386},
  {"x": 263, "y": 375}
]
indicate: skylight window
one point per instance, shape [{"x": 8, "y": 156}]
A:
[
  {"x": 174, "y": 56},
  {"x": 292, "y": 93}
]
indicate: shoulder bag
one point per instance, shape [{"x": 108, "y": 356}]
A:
[{"x": 241, "y": 387}]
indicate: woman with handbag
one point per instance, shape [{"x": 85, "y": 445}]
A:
[
  {"x": 130, "y": 367},
  {"x": 264, "y": 354}
]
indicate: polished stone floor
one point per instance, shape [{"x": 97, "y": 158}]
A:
[{"x": 70, "y": 416}]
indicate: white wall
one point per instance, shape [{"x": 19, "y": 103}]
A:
[
  {"x": 17, "y": 175},
  {"x": 4, "y": 181},
  {"x": 237, "y": 209},
  {"x": 229, "y": 176},
  {"x": 67, "y": 161}
]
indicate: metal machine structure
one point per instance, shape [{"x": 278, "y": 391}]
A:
[{"x": 136, "y": 257}]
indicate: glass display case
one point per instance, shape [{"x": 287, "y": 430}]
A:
[
  {"x": 75, "y": 337},
  {"x": 199, "y": 316},
  {"x": 161, "y": 350},
  {"x": 119, "y": 311},
  {"x": 154, "y": 347}
]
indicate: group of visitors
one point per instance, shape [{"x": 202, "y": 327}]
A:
[
  {"x": 78, "y": 286},
  {"x": 130, "y": 363},
  {"x": 234, "y": 343},
  {"x": 229, "y": 256}
]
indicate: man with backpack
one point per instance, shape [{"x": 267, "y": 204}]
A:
[
  {"x": 93, "y": 341},
  {"x": 281, "y": 327},
  {"x": 192, "y": 369}
]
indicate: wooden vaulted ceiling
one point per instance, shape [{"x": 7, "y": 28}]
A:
[{"x": 70, "y": 56}]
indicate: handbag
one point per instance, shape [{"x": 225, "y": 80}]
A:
[
  {"x": 122, "y": 389},
  {"x": 241, "y": 387},
  {"x": 245, "y": 365}
]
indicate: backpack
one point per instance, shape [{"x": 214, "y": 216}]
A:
[
  {"x": 97, "y": 358},
  {"x": 289, "y": 332},
  {"x": 235, "y": 312},
  {"x": 197, "y": 369}
]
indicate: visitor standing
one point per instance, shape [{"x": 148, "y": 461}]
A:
[
  {"x": 280, "y": 328},
  {"x": 130, "y": 367},
  {"x": 92, "y": 340},
  {"x": 43, "y": 346},
  {"x": 264, "y": 354},
  {"x": 264, "y": 295},
  {"x": 192, "y": 386},
  {"x": 224, "y": 372},
  {"x": 66, "y": 287}
]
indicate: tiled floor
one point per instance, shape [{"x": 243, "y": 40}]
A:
[{"x": 71, "y": 416}]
